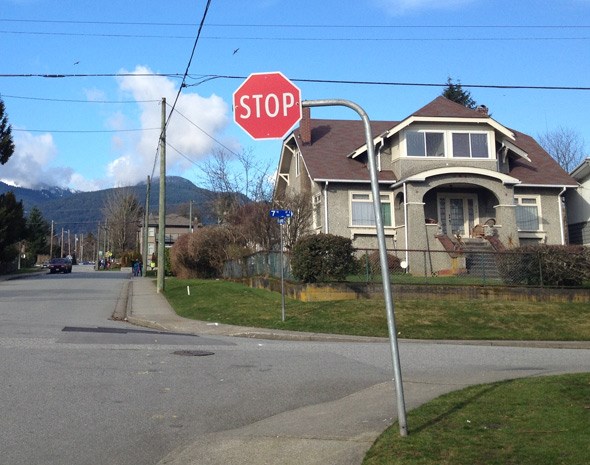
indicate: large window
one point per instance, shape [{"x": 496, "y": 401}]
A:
[
  {"x": 470, "y": 145},
  {"x": 448, "y": 143},
  {"x": 425, "y": 144},
  {"x": 362, "y": 212},
  {"x": 527, "y": 213}
]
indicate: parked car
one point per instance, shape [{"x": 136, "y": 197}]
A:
[{"x": 60, "y": 265}]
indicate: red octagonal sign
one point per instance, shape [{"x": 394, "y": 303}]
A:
[{"x": 267, "y": 105}]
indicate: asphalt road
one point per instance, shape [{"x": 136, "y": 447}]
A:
[{"x": 78, "y": 388}]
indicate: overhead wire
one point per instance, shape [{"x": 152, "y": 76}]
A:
[{"x": 182, "y": 85}]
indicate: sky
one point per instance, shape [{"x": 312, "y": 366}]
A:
[{"x": 98, "y": 126}]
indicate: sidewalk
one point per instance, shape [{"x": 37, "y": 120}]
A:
[{"x": 145, "y": 307}]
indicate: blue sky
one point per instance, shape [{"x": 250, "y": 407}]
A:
[{"x": 90, "y": 132}]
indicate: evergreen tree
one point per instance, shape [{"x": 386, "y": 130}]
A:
[
  {"x": 37, "y": 231},
  {"x": 6, "y": 143},
  {"x": 12, "y": 226},
  {"x": 457, "y": 94}
]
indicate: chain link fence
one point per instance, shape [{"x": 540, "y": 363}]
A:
[{"x": 541, "y": 266}]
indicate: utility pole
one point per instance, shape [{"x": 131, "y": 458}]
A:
[
  {"x": 97, "y": 265},
  {"x": 162, "y": 206},
  {"x": 61, "y": 249},
  {"x": 145, "y": 228},
  {"x": 190, "y": 216},
  {"x": 51, "y": 242}
]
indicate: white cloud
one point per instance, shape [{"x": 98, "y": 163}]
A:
[
  {"x": 186, "y": 132},
  {"x": 27, "y": 167},
  {"x": 401, "y": 7}
]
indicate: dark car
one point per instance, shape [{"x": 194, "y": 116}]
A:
[{"x": 60, "y": 265}]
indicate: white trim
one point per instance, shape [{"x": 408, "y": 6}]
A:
[
  {"x": 421, "y": 177},
  {"x": 537, "y": 198},
  {"x": 326, "y": 228},
  {"x": 351, "y": 181},
  {"x": 572, "y": 186},
  {"x": 517, "y": 150}
]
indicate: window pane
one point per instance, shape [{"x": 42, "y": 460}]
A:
[
  {"x": 362, "y": 214},
  {"x": 479, "y": 145},
  {"x": 435, "y": 144},
  {"x": 361, "y": 197},
  {"x": 460, "y": 145},
  {"x": 415, "y": 143},
  {"x": 527, "y": 218},
  {"x": 386, "y": 213}
]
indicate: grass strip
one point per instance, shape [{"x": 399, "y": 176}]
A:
[
  {"x": 232, "y": 303},
  {"x": 533, "y": 421}
]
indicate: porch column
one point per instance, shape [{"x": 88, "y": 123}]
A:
[{"x": 506, "y": 224}]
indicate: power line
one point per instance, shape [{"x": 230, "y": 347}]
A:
[
  {"x": 210, "y": 77},
  {"x": 183, "y": 84},
  {"x": 45, "y": 99},
  {"x": 302, "y": 26},
  {"x": 299, "y": 39},
  {"x": 85, "y": 131},
  {"x": 83, "y": 75}
]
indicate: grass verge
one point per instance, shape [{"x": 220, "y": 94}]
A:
[
  {"x": 533, "y": 421},
  {"x": 233, "y": 303}
]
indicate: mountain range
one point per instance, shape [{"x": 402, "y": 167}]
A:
[{"x": 80, "y": 212}]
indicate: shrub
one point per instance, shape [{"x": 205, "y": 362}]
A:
[
  {"x": 323, "y": 257},
  {"x": 548, "y": 265},
  {"x": 200, "y": 254}
]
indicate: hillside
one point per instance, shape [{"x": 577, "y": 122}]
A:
[{"x": 80, "y": 212}]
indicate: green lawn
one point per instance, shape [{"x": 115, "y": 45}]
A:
[
  {"x": 533, "y": 421},
  {"x": 233, "y": 303}
]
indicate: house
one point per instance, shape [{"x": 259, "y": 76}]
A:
[
  {"x": 448, "y": 175},
  {"x": 176, "y": 225},
  {"x": 579, "y": 205}
]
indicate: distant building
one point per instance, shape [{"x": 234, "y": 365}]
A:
[{"x": 176, "y": 226}]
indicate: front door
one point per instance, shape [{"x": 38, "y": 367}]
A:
[{"x": 457, "y": 213}]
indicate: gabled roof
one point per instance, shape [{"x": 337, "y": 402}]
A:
[
  {"x": 331, "y": 141},
  {"x": 331, "y": 155},
  {"x": 581, "y": 172}
]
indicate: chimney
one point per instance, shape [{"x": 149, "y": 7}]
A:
[
  {"x": 482, "y": 109},
  {"x": 305, "y": 125}
]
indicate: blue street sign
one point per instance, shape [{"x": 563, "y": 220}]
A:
[{"x": 281, "y": 213}]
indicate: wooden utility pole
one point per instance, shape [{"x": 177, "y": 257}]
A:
[
  {"x": 51, "y": 242},
  {"x": 162, "y": 206},
  {"x": 146, "y": 223}
]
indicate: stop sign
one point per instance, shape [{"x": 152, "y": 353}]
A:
[{"x": 267, "y": 105}]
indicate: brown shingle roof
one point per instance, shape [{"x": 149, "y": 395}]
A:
[
  {"x": 333, "y": 140},
  {"x": 542, "y": 169}
]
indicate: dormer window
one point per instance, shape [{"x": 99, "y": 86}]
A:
[
  {"x": 425, "y": 144},
  {"x": 449, "y": 143},
  {"x": 470, "y": 145}
]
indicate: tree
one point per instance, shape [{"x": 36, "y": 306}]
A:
[
  {"x": 37, "y": 232},
  {"x": 6, "y": 143},
  {"x": 457, "y": 94},
  {"x": 299, "y": 224},
  {"x": 12, "y": 226},
  {"x": 122, "y": 212},
  {"x": 565, "y": 146},
  {"x": 235, "y": 179}
]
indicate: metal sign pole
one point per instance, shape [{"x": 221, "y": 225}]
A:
[
  {"x": 282, "y": 222},
  {"x": 401, "y": 408}
]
